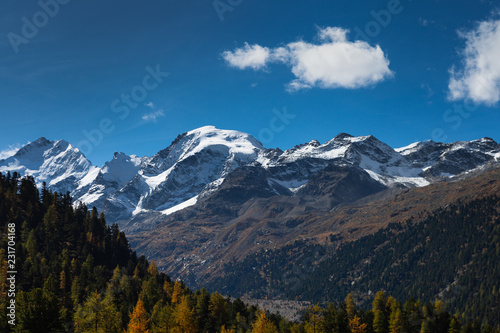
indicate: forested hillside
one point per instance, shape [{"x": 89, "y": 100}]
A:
[
  {"x": 453, "y": 255},
  {"x": 76, "y": 274}
]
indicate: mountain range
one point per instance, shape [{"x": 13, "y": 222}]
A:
[
  {"x": 213, "y": 197},
  {"x": 196, "y": 164}
]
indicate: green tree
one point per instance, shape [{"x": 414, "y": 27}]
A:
[
  {"x": 380, "y": 320},
  {"x": 314, "y": 320},
  {"x": 425, "y": 327},
  {"x": 350, "y": 307},
  {"x": 39, "y": 312},
  {"x": 161, "y": 318},
  {"x": 454, "y": 325},
  {"x": 98, "y": 314}
]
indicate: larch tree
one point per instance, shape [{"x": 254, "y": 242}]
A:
[
  {"x": 356, "y": 325},
  {"x": 350, "y": 307},
  {"x": 184, "y": 317},
  {"x": 315, "y": 320},
  {"x": 138, "y": 319},
  {"x": 396, "y": 321},
  {"x": 263, "y": 325},
  {"x": 177, "y": 293},
  {"x": 98, "y": 315}
]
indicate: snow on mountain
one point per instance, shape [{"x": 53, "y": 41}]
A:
[
  {"x": 196, "y": 163},
  {"x": 57, "y": 163}
]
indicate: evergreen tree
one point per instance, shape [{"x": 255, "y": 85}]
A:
[
  {"x": 380, "y": 320},
  {"x": 161, "y": 318},
  {"x": 38, "y": 311}
]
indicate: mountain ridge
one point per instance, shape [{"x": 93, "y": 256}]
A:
[{"x": 196, "y": 163}]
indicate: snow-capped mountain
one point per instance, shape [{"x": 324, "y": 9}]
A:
[
  {"x": 57, "y": 163},
  {"x": 196, "y": 163}
]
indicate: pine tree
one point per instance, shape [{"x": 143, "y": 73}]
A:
[
  {"x": 39, "y": 311},
  {"x": 380, "y": 320},
  {"x": 161, "y": 318},
  {"x": 152, "y": 269},
  {"x": 217, "y": 308}
]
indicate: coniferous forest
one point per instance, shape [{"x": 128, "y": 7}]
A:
[{"x": 74, "y": 273}]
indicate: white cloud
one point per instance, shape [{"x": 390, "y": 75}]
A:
[
  {"x": 9, "y": 151},
  {"x": 150, "y": 105},
  {"x": 478, "y": 79},
  {"x": 249, "y": 56},
  {"x": 153, "y": 115},
  {"x": 333, "y": 63}
]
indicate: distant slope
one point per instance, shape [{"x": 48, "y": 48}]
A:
[
  {"x": 453, "y": 255},
  {"x": 202, "y": 245}
]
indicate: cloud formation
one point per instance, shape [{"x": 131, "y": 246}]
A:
[
  {"x": 152, "y": 116},
  {"x": 334, "y": 62},
  {"x": 478, "y": 79},
  {"x": 249, "y": 56}
]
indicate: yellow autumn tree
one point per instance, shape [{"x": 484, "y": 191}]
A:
[
  {"x": 97, "y": 314},
  {"x": 168, "y": 289},
  {"x": 356, "y": 326},
  {"x": 177, "y": 293},
  {"x": 184, "y": 317},
  {"x": 152, "y": 269},
  {"x": 224, "y": 330},
  {"x": 263, "y": 325},
  {"x": 138, "y": 319}
]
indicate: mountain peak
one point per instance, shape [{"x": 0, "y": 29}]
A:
[
  {"x": 342, "y": 136},
  {"x": 210, "y": 137},
  {"x": 42, "y": 141},
  {"x": 35, "y": 145}
]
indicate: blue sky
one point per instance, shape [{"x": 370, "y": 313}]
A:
[{"x": 65, "y": 67}]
